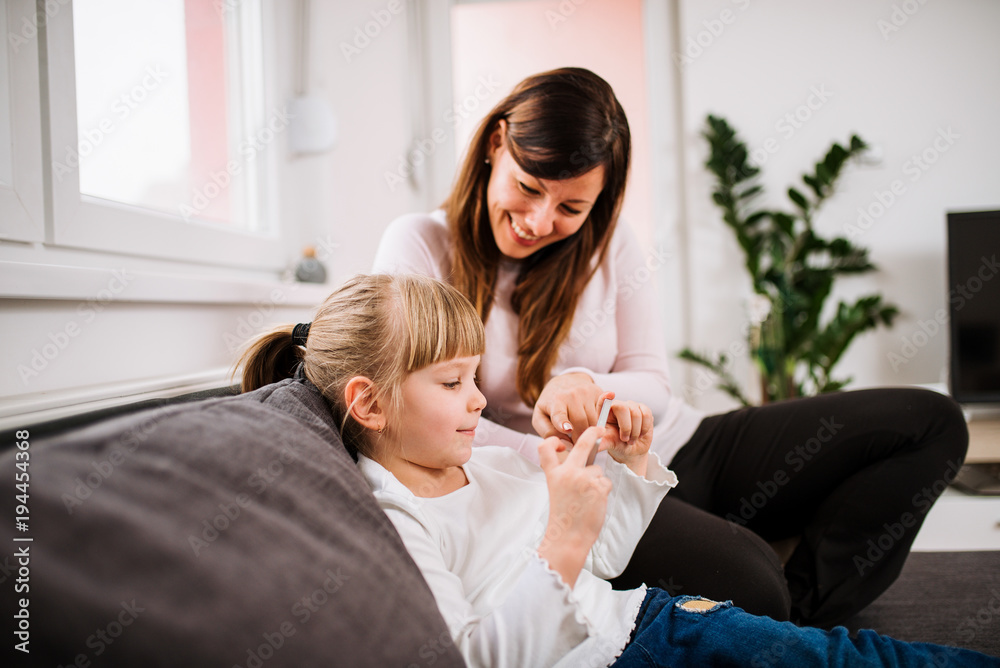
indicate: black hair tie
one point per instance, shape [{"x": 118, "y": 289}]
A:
[{"x": 300, "y": 334}]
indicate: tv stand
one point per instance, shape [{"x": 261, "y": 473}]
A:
[{"x": 981, "y": 472}]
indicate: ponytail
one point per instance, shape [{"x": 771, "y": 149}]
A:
[{"x": 269, "y": 358}]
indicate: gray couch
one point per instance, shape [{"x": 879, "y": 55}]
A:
[{"x": 233, "y": 531}]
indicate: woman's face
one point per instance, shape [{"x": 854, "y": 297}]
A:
[{"x": 526, "y": 213}]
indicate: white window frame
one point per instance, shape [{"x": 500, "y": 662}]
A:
[
  {"x": 21, "y": 201},
  {"x": 81, "y": 221}
]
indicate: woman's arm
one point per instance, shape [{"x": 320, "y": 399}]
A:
[{"x": 616, "y": 343}]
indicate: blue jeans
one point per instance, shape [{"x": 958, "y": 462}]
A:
[{"x": 681, "y": 631}]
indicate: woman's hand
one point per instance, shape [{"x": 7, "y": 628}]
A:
[
  {"x": 565, "y": 408},
  {"x": 628, "y": 434},
  {"x": 578, "y": 498}
]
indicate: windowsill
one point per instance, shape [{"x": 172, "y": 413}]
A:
[
  {"x": 24, "y": 280},
  {"x": 28, "y": 410}
]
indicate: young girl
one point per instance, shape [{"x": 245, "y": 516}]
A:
[{"x": 513, "y": 552}]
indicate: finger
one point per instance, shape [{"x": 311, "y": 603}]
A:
[
  {"x": 560, "y": 419},
  {"x": 547, "y": 458},
  {"x": 583, "y": 446},
  {"x": 623, "y": 417},
  {"x": 577, "y": 415},
  {"x": 635, "y": 410},
  {"x": 605, "y": 396}
]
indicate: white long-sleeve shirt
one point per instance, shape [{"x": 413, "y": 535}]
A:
[
  {"x": 616, "y": 336},
  {"x": 477, "y": 549}
]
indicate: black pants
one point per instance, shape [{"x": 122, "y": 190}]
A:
[{"x": 852, "y": 474}]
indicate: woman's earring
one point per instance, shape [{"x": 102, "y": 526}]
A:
[
  {"x": 487, "y": 161},
  {"x": 380, "y": 430}
]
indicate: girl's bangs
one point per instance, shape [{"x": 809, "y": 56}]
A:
[{"x": 442, "y": 325}]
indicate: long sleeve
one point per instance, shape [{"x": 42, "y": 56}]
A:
[
  {"x": 631, "y": 505},
  {"x": 537, "y": 622}
]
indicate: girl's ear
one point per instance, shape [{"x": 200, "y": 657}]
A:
[{"x": 359, "y": 394}]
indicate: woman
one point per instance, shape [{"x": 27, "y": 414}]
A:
[{"x": 529, "y": 234}]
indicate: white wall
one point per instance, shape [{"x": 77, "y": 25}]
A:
[{"x": 900, "y": 80}]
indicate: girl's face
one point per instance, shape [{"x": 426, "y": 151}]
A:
[
  {"x": 526, "y": 213},
  {"x": 441, "y": 405}
]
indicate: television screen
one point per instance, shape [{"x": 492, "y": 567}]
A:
[{"x": 974, "y": 305}]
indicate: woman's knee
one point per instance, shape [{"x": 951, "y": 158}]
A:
[
  {"x": 945, "y": 427},
  {"x": 762, "y": 588}
]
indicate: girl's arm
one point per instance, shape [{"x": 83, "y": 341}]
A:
[
  {"x": 536, "y": 624},
  {"x": 578, "y": 495}
]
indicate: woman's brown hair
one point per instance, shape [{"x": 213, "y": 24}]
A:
[
  {"x": 377, "y": 326},
  {"x": 559, "y": 124}
]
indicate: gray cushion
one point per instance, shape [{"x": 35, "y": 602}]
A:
[{"x": 226, "y": 532}]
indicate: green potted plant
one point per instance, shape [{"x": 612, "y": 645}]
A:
[{"x": 793, "y": 270}]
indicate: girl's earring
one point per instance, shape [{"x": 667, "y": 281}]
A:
[
  {"x": 487, "y": 161},
  {"x": 380, "y": 430}
]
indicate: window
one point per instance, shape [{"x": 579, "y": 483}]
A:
[
  {"x": 20, "y": 126},
  {"x": 6, "y": 157},
  {"x": 160, "y": 141}
]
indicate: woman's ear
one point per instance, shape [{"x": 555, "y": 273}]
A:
[
  {"x": 359, "y": 394},
  {"x": 497, "y": 138}
]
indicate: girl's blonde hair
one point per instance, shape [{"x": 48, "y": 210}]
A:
[{"x": 382, "y": 327}]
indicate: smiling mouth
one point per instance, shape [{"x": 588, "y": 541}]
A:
[{"x": 521, "y": 232}]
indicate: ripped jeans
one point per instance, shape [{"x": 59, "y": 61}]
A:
[{"x": 681, "y": 631}]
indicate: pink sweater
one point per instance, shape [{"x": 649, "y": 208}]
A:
[{"x": 616, "y": 335}]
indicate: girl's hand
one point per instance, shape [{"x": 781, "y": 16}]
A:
[
  {"x": 578, "y": 497},
  {"x": 628, "y": 434},
  {"x": 565, "y": 407}
]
